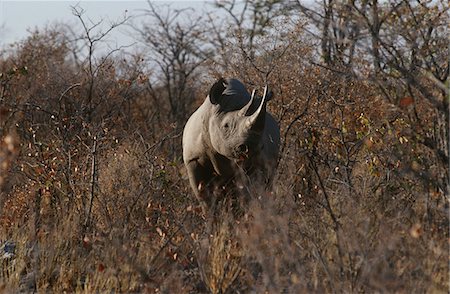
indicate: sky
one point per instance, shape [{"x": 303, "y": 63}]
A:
[{"x": 17, "y": 18}]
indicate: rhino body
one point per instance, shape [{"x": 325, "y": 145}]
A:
[{"x": 230, "y": 141}]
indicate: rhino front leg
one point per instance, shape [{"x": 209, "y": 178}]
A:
[{"x": 200, "y": 176}]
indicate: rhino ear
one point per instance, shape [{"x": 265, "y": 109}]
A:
[{"x": 215, "y": 94}]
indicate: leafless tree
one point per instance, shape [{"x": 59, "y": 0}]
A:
[
  {"x": 400, "y": 47},
  {"x": 177, "y": 48},
  {"x": 247, "y": 33}
]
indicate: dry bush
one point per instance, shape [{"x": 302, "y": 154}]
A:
[
  {"x": 219, "y": 254},
  {"x": 77, "y": 199},
  {"x": 366, "y": 196}
]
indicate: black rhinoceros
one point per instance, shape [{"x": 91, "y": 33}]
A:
[{"x": 230, "y": 140}]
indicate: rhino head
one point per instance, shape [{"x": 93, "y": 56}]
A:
[{"x": 236, "y": 123}]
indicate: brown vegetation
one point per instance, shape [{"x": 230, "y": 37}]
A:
[{"x": 95, "y": 198}]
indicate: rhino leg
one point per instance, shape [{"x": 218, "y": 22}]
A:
[{"x": 200, "y": 176}]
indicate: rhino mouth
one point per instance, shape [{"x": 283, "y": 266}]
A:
[
  {"x": 242, "y": 158},
  {"x": 243, "y": 152}
]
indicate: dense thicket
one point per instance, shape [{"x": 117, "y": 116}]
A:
[{"x": 94, "y": 195}]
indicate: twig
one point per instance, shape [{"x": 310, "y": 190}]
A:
[{"x": 93, "y": 179}]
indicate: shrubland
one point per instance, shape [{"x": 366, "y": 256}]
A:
[{"x": 94, "y": 195}]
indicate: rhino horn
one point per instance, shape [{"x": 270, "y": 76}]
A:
[
  {"x": 256, "y": 120},
  {"x": 244, "y": 110}
]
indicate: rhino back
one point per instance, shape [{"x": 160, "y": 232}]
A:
[{"x": 193, "y": 147}]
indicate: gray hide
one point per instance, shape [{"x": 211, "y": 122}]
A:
[{"x": 230, "y": 140}]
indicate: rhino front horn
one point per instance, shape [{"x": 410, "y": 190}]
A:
[
  {"x": 256, "y": 120},
  {"x": 244, "y": 110}
]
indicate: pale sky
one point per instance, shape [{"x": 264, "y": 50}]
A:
[{"x": 17, "y": 17}]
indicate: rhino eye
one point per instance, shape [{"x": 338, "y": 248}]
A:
[
  {"x": 243, "y": 148},
  {"x": 226, "y": 126}
]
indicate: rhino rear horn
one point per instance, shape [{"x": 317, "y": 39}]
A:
[
  {"x": 269, "y": 96},
  {"x": 216, "y": 91}
]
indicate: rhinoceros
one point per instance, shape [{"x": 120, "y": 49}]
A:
[{"x": 230, "y": 140}]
